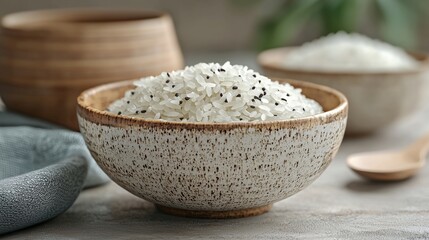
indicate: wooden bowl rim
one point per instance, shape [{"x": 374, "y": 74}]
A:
[
  {"x": 75, "y": 17},
  {"x": 265, "y": 56},
  {"x": 92, "y": 114}
]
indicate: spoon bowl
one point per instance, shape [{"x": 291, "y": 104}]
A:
[
  {"x": 384, "y": 166},
  {"x": 391, "y": 165}
]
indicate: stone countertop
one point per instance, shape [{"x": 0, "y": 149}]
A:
[{"x": 338, "y": 205}]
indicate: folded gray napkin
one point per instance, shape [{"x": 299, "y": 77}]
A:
[{"x": 42, "y": 170}]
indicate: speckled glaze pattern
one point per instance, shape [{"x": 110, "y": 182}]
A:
[
  {"x": 226, "y": 167},
  {"x": 216, "y": 169}
]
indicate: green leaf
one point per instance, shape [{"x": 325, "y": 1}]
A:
[
  {"x": 341, "y": 15},
  {"x": 420, "y": 7},
  {"x": 285, "y": 24},
  {"x": 398, "y": 23},
  {"x": 245, "y": 3}
]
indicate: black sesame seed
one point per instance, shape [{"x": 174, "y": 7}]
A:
[
  {"x": 128, "y": 102},
  {"x": 226, "y": 100},
  {"x": 253, "y": 88},
  {"x": 176, "y": 94},
  {"x": 287, "y": 95},
  {"x": 284, "y": 99},
  {"x": 173, "y": 86},
  {"x": 252, "y": 106},
  {"x": 293, "y": 109},
  {"x": 259, "y": 81},
  {"x": 254, "y": 75},
  {"x": 151, "y": 96},
  {"x": 265, "y": 93},
  {"x": 137, "y": 112},
  {"x": 238, "y": 95},
  {"x": 241, "y": 119},
  {"x": 303, "y": 109},
  {"x": 168, "y": 74},
  {"x": 207, "y": 77},
  {"x": 181, "y": 119},
  {"x": 276, "y": 103},
  {"x": 235, "y": 87},
  {"x": 261, "y": 95},
  {"x": 253, "y": 100},
  {"x": 239, "y": 75},
  {"x": 275, "y": 115},
  {"x": 167, "y": 81},
  {"x": 263, "y": 89},
  {"x": 119, "y": 113},
  {"x": 187, "y": 98},
  {"x": 143, "y": 111},
  {"x": 221, "y": 94},
  {"x": 180, "y": 102},
  {"x": 212, "y": 71},
  {"x": 132, "y": 93}
]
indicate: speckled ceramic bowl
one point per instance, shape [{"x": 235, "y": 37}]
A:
[
  {"x": 215, "y": 170},
  {"x": 376, "y": 99}
]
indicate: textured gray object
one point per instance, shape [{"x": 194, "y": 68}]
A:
[
  {"x": 43, "y": 169},
  {"x": 33, "y": 144},
  {"x": 24, "y": 149},
  {"x": 40, "y": 195}
]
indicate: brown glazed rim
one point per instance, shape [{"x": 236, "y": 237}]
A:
[
  {"x": 268, "y": 60},
  {"x": 94, "y": 115},
  {"x": 77, "y": 17}
]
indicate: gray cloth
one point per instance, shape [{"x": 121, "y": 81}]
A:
[
  {"x": 40, "y": 195},
  {"x": 42, "y": 169}
]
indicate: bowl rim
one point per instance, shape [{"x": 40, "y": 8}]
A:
[
  {"x": 75, "y": 17},
  {"x": 422, "y": 58},
  {"x": 85, "y": 111}
]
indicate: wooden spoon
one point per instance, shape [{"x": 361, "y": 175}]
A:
[{"x": 391, "y": 165}]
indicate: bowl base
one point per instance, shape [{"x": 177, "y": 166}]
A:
[{"x": 241, "y": 213}]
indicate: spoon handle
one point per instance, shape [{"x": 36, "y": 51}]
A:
[{"x": 420, "y": 147}]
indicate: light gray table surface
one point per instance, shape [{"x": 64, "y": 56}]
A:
[{"x": 338, "y": 205}]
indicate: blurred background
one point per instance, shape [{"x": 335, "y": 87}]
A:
[{"x": 251, "y": 25}]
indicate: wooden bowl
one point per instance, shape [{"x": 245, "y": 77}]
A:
[
  {"x": 48, "y": 57},
  {"x": 212, "y": 170},
  {"x": 376, "y": 99},
  {"x": 84, "y": 24}
]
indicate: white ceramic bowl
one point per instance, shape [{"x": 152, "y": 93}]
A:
[
  {"x": 376, "y": 99},
  {"x": 212, "y": 170}
]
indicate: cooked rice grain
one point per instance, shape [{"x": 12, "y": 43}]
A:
[
  {"x": 214, "y": 93},
  {"x": 342, "y": 52}
]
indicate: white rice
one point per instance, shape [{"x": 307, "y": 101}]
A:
[
  {"x": 214, "y": 93},
  {"x": 342, "y": 52}
]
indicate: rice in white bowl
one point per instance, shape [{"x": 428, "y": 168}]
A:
[
  {"x": 342, "y": 52},
  {"x": 214, "y": 93}
]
